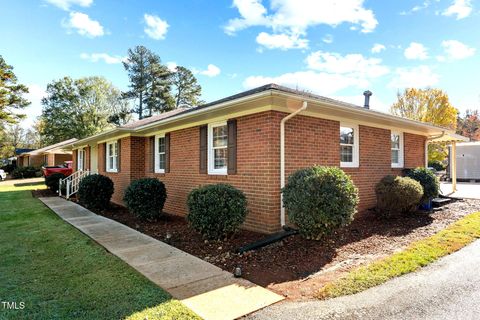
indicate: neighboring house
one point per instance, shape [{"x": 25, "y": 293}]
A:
[
  {"x": 51, "y": 155},
  {"x": 237, "y": 140}
]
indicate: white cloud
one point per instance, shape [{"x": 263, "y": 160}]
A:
[
  {"x": 108, "y": 59},
  {"x": 318, "y": 82},
  {"x": 66, "y": 4},
  {"x": 457, "y": 50},
  {"x": 355, "y": 64},
  {"x": 211, "y": 71},
  {"x": 328, "y": 38},
  {"x": 417, "y": 8},
  {"x": 281, "y": 41},
  {"x": 416, "y": 51},
  {"x": 328, "y": 74},
  {"x": 459, "y": 8},
  {"x": 294, "y": 17},
  {"x": 377, "y": 48},
  {"x": 172, "y": 66},
  {"x": 416, "y": 77},
  {"x": 84, "y": 26},
  {"x": 156, "y": 28}
]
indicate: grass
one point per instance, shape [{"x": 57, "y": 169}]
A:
[
  {"x": 59, "y": 273},
  {"x": 417, "y": 255}
]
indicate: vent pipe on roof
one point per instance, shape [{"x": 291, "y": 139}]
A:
[{"x": 367, "y": 95}]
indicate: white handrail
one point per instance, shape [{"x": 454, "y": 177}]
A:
[{"x": 72, "y": 182}]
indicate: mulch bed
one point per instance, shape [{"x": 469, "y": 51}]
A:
[
  {"x": 40, "y": 193},
  {"x": 296, "y": 267}
]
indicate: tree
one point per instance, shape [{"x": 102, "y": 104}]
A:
[
  {"x": 427, "y": 105},
  {"x": 11, "y": 95},
  {"x": 149, "y": 82},
  {"x": 15, "y": 136},
  {"x": 469, "y": 125},
  {"x": 186, "y": 90},
  {"x": 77, "y": 108}
]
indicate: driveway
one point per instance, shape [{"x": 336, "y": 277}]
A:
[
  {"x": 464, "y": 190},
  {"x": 447, "y": 289}
]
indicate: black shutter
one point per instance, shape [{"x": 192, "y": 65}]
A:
[
  {"x": 152, "y": 154},
  {"x": 232, "y": 146},
  {"x": 167, "y": 152},
  {"x": 203, "y": 148},
  {"x": 104, "y": 161},
  {"x": 119, "y": 155}
]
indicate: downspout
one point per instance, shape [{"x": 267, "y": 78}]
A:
[
  {"x": 282, "y": 158},
  {"x": 426, "y": 145}
]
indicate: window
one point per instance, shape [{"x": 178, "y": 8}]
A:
[
  {"x": 349, "y": 145},
  {"x": 112, "y": 156},
  {"x": 80, "y": 159},
  {"x": 160, "y": 154},
  {"x": 217, "y": 148},
  {"x": 397, "y": 149}
]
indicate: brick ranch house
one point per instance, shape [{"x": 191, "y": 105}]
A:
[
  {"x": 237, "y": 140},
  {"x": 51, "y": 155}
]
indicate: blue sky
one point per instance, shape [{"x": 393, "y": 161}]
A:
[{"x": 336, "y": 48}]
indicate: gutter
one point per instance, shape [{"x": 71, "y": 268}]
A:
[{"x": 282, "y": 158}]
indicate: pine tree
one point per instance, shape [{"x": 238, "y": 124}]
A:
[
  {"x": 149, "y": 82},
  {"x": 11, "y": 95},
  {"x": 186, "y": 89}
]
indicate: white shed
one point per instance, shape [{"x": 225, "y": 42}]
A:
[{"x": 468, "y": 161}]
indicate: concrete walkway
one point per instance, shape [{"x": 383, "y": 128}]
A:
[
  {"x": 466, "y": 190},
  {"x": 206, "y": 289}
]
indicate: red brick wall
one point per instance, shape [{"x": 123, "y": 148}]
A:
[
  {"x": 256, "y": 167},
  {"x": 414, "y": 150},
  {"x": 309, "y": 141}
]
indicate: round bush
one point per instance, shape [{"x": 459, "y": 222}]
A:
[
  {"x": 397, "y": 195},
  {"x": 216, "y": 210},
  {"x": 52, "y": 181},
  {"x": 319, "y": 200},
  {"x": 145, "y": 198},
  {"x": 437, "y": 165},
  {"x": 95, "y": 191},
  {"x": 428, "y": 180}
]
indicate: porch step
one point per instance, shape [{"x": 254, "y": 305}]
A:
[{"x": 438, "y": 202}]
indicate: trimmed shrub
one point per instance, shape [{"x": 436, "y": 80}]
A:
[
  {"x": 145, "y": 198},
  {"x": 319, "y": 200},
  {"x": 24, "y": 172},
  {"x": 428, "y": 180},
  {"x": 437, "y": 165},
  {"x": 95, "y": 191},
  {"x": 216, "y": 210},
  {"x": 397, "y": 195},
  {"x": 52, "y": 181}
]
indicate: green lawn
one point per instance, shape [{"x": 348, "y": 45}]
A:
[
  {"x": 59, "y": 273},
  {"x": 417, "y": 255}
]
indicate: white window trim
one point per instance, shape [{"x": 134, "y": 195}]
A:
[
  {"x": 210, "y": 158},
  {"x": 356, "y": 146},
  {"x": 157, "y": 158},
  {"x": 107, "y": 162},
  {"x": 401, "y": 150},
  {"x": 80, "y": 154}
]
